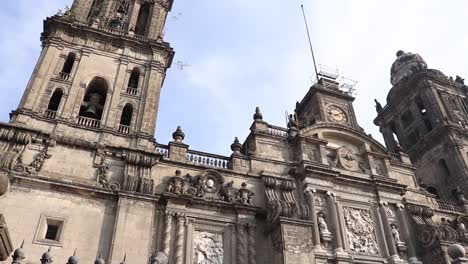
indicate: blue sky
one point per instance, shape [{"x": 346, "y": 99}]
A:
[{"x": 245, "y": 53}]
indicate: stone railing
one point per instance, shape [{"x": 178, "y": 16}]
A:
[
  {"x": 64, "y": 76},
  {"x": 124, "y": 129},
  {"x": 163, "y": 150},
  {"x": 448, "y": 206},
  {"x": 88, "y": 122},
  {"x": 277, "y": 131},
  {"x": 132, "y": 91},
  {"x": 50, "y": 114},
  {"x": 200, "y": 158}
]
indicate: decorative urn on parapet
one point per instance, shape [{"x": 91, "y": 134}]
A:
[
  {"x": 176, "y": 184},
  {"x": 244, "y": 195}
]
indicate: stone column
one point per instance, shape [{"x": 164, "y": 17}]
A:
[
  {"x": 167, "y": 233},
  {"x": 241, "y": 244},
  {"x": 134, "y": 15},
  {"x": 179, "y": 255},
  {"x": 335, "y": 223},
  {"x": 404, "y": 228},
  {"x": 388, "y": 232},
  {"x": 252, "y": 244},
  {"x": 310, "y": 201}
]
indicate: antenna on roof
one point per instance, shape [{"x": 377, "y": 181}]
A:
[{"x": 310, "y": 43}]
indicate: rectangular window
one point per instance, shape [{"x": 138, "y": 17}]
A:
[{"x": 50, "y": 230}]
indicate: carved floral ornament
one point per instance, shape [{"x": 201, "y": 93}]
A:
[{"x": 209, "y": 185}]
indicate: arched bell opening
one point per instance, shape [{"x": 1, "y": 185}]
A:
[
  {"x": 94, "y": 99},
  {"x": 143, "y": 19},
  {"x": 68, "y": 66}
]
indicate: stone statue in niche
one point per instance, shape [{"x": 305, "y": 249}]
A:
[
  {"x": 395, "y": 234},
  {"x": 322, "y": 224},
  {"x": 325, "y": 235},
  {"x": 360, "y": 231},
  {"x": 208, "y": 248}
]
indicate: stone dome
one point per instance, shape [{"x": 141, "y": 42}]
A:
[
  {"x": 46, "y": 257},
  {"x": 406, "y": 64}
]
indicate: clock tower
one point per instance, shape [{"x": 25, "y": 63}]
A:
[{"x": 328, "y": 101}]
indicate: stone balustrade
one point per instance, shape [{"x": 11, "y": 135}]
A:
[
  {"x": 277, "y": 131},
  {"x": 64, "y": 76},
  {"x": 132, "y": 91},
  {"x": 206, "y": 159},
  {"x": 124, "y": 129},
  {"x": 163, "y": 150},
  {"x": 88, "y": 122},
  {"x": 50, "y": 114},
  {"x": 448, "y": 206}
]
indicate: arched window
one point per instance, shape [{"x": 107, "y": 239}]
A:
[
  {"x": 68, "y": 65},
  {"x": 134, "y": 78},
  {"x": 54, "y": 104},
  {"x": 55, "y": 99},
  {"x": 94, "y": 99},
  {"x": 142, "y": 21},
  {"x": 126, "y": 119},
  {"x": 127, "y": 114}
]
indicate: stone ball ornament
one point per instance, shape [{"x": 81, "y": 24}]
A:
[
  {"x": 4, "y": 183},
  {"x": 456, "y": 251}
]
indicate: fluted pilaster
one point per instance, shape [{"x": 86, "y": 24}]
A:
[
  {"x": 332, "y": 211},
  {"x": 241, "y": 244}
]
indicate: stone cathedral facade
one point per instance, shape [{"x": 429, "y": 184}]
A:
[{"x": 81, "y": 174}]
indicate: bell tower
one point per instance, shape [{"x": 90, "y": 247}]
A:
[
  {"x": 100, "y": 73},
  {"x": 426, "y": 117}
]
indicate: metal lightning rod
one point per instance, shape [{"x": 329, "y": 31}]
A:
[{"x": 310, "y": 43}]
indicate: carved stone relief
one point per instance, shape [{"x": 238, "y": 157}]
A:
[
  {"x": 380, "y": 167},
  {"x": 360, "y": 231},
  {"x": 208, "y": 248},
  {"x": 346, "y": 158},
  {"x": 313, "y": 153},
  {"x": 211, "y": 186},
  {"x": 319, "y": 200}
]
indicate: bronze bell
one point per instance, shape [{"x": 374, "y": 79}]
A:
[{"x": 93, "y": 105}]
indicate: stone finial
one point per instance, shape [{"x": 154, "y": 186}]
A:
[
  {"x": 178, "y": 135},
  {"x": 159, "y": 258},
  {"x": 18, "y": 255},
  {"x": 99, "y": 259},
  {"x": 456, "y": 251},
  {"x": 378, "y": 106},
  {"x": 258, "y": 115},
  {"x": 73, "y": 259},
  {"x": 124, "y": 261},
  {"x": 46, "y": 257},
  {"x": 236, "y": 146}
]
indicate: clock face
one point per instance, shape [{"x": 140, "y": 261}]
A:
[{"x": 336, "y": 114}]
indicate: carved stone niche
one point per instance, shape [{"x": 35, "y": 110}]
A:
[{"x": 210, "y": 185}]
